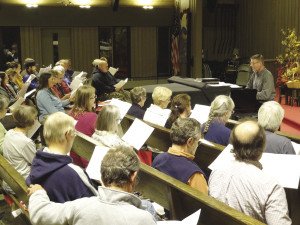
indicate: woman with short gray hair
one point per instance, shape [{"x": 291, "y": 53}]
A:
[
  {"x": 221, "y": 110},
  {"x": 270, "y": 116},
  {"x": 138, "y": 98}
]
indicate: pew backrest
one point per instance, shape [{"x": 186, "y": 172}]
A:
[{"x": 175, "y": 196}]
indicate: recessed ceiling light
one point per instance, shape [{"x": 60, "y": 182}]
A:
[
  {"x": 85, "y": 6},
  {"x": 32, "y": 5},
  {"x": 147, "y": 7}
]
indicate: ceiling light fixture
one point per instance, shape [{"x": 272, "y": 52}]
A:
[
  {"x": 32, "y": 5},
  {"x": 147, "y": 7},
  {"x": 85, "y": 6}
]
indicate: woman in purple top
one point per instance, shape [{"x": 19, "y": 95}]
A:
[
  {"x": 214, "y": 129},
  {"x": 83, "y": 112}
]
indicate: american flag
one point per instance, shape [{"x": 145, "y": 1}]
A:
[{"x": 174, "y": 42}]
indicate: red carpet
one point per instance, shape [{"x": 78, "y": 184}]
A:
[{"x": 291, "y": 120}]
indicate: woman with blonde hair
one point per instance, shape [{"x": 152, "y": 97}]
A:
[
  {"x": 180, "y": 108},
  {"x": 108, "y": 128},
  {"x": 221, "y": 110}
]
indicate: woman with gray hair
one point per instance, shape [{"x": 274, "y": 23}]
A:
[
  {"x": 108, "y": 128},
  {"x": 221, "y": 110},
  {"x": 270, "y": 116},
  {"x": 138, "y": 98}
]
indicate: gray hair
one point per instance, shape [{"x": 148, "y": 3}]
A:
[
  {"x": 183, "y": 129},
  {"x": 107, "y": 119},
  {"x": 137, "y": 93},
  {"x": 56, "y": 126},
  {"x": 118, "y": 165},
  {"x": 161, "y": 94},
  {"x": 270, "y": 115},
  {"x": 220, "y": 108}
]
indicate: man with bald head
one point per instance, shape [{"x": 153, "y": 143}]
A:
[{"x": 243, "y": 185}]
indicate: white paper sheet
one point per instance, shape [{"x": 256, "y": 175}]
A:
[
  {"x": 44, "y": 70},
  {"x": 113, "y": 70},
  {"x": 30, "y": 93},
  {"x": 30, "y": 78},
  {"x": 200, "y": 113},
  {"x": 296, "y": 147},
  {"x": 33, "y": 129},
  {"x": 123, "y": 106},
  {"x": 156, "y": 115},
  {"x": 190, "y": 220},
  {"x": 121, "y": 83},
  {"x": 77, "y": 80},
  {"x": 285, "y": 169},
  {"x": 93, "y": 168},
  {"x": 137, "y": 134}
]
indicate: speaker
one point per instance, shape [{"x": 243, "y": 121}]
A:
[{"x": 115, "y": 5}]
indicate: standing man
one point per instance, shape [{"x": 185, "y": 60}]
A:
[{"x": 261, "y": 79}]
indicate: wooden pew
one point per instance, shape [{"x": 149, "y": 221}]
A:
[
  {"x": 17, "y": 184},
  {"x": 177, "y": 197},
  {"x": 207, "y": 152}
]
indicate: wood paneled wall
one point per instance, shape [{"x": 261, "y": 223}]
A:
[
  {"x": 143, "y": 52},
  {"x": 259, "y": 24}
]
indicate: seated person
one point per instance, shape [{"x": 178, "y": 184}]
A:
[
  {"x": 178, "y": 161},
  {"x": 68, "y": 72},
  {"x": 5, "y": 90},
  {"x": 180, "y": 108},
  {"x": 115, "y": 203},
  {"x": 138, "y": 98},
  {"x": 46, "y": 101},
  {"x": 18, "y": 149},
  {"x": 161, "y": 98},
  {"x": 3, "y": 109},
  {"x": 61, "y": 89},
  {"x": 53, "y": 168},
  {"x": 16, "y": 67},
  {"x": 104, "y": 83},
  {"x": 261, "y": 79},
  {"x": 108, "y": 128},
  {"x": 215, "y": 130},
  {"x": 12, "y": 75},
  {"x": 83, "y": 111},
  {"x": 30, "y": 68},
  {"x": 243, "y": 185},
  {"x": 270, "y": 116}
]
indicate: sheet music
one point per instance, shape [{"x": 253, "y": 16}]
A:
[
  {"x": 287, "y": 174},
  {"x": 121, "y": 83},
  {"x": 30, "y": 78},
  {"x": 77, "y": 81},
  {"x": 33, "y": 129},
  {"x": 123, "y": 106},
  {"x": 137, "y": 134},
  {"x": 94, "y": 166},
  {"x": 190, "y": 220},
  {"x": 156, "y": 115},
  {"x": 200, "y": 113},
  {"x": 296, "y": 147},
  {"x": 113, "y": 70},
  {"x": 29, "y": 93},
  {"x": 16, "y": 104},
  {"x": 44, "y": 70}
]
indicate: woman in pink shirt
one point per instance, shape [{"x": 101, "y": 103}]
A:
[{"x": 83, "y": 112}]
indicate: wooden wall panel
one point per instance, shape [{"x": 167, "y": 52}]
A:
[{"x": 143, "y": 52}]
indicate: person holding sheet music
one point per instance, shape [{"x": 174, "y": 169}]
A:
[
  {"x": 178, "y": 161},
  {"x": 270, "y": 116},
  {"x": 214, "y": 129},
  {"x": 16, "y": 67},
  {"x": 108, "y": 128},
  {"x": 262, "y": 79},
  {"x": 3, "y": 110},
  {"x": 243, "y": 185},
  {"x": 46, "y": 101},
  {"x": 106, "y": 85},
  {"x": 18, "y": 149},
  {"x": 180, "y": 108},
  {"x": 61, "y": 89},
  {"x": 115, "y": 203},
  {"x": 138, "y": 98},
  {"x": 30, "y": 68},
  {"x": 52, "y": 167},
  {"x": 84, "y": 112},
  {"x": 68, "y": 72}
]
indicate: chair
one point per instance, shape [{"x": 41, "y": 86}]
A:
[{"x": 243, "y": 75}]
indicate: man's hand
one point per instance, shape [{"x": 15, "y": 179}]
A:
[{"x": 33, "y": 188}]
